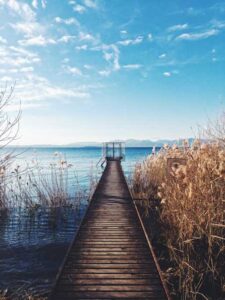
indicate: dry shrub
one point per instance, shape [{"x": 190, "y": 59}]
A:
[{"x": 189, "y": 184}]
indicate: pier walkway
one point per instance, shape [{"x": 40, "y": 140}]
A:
[{"x": 110, "y": 257}]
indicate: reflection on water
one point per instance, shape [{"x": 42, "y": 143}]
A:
[{"x": 32, "y": 247}]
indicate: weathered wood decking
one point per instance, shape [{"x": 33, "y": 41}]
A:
[{"x": 110, "y": 257}]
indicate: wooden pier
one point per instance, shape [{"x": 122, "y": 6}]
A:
[{"x": 111, "y": 256}]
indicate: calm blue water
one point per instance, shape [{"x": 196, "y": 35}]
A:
[
  {"x": 34, "y": 242},
  {"x": 83, "y": 160}
]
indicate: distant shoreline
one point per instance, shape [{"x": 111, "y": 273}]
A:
[{"x": 132, "y": 143}]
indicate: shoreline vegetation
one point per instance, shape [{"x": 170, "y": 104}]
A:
[
  {"x": 50, "y": 186},
  {"x": 181, "y": 194}
]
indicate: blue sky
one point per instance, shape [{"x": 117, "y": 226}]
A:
[{"x": 89, "y": 70}]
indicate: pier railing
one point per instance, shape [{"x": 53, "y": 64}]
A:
[{"x": 113, "y": 151}]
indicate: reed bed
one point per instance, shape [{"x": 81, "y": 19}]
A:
[
  {"x": 184, "y": 187},
  {"x": 33, "y": 185}
]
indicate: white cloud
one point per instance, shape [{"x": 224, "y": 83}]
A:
[
  {"x": 66, "y": 38},
  {"x": 132, "y": 66},
  {"x": 37, "y": 41},
  {"x": 22, "y": 9},
  {"x": 35, "y": 90},
  {"x": 66, "y": 60},
  {"x": 79, "y": 8},
  {"x": 35, "y": 3},
  {"x": 88, "y": 67},
  {"x": 44, "y": 3},
  {"x": 218, "y": 24},
  {"x": 27, "y": 69},
  {"x": 150, "y": 37},
  {"x": 18, "y": 51},
  {"x": 90, "y": 3},
  {"x": 123, "y": 31},
  {"x": 17, "y": 56},
  {"x": 111, "y": 54},
  {"x": 198, "y": 36},
  {"x": 28, "y": 28},
  {"x": 86, "y": 37},
  {"x": 104, "y": 73},
  {"x": 6, "y": 79},
  {"x": 177, "y": 27},
  {"x": 108, "y": 56},
  {"x": 83, "y": 47},
  {"x": 114, "y": 57},
  {"x": 73, "y": 70},
  {"x": 69, "y": 21},
  {"x": 135, "y": 41},
  {"x": 167, "y": 74},
  {"x": 2, "y": 40},
  {"x": 163, "y": 55}
]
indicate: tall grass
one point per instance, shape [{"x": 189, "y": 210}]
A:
[
  {"x": 34, "y": 185},
  {"x": 186, "y": 186}
]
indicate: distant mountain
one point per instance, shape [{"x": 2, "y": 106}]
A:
[
  {"x": 149, "y": 143},
  {"x": 128, "y": 143}
]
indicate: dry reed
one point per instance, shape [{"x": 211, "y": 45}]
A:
[{"x": 189, "y": 185}]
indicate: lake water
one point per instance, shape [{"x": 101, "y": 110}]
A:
[
  {"x": 82, "y": 159},
  {"x": 34, "y": 242}
]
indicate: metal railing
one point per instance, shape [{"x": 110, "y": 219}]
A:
[{"x": 113, "y": 151}]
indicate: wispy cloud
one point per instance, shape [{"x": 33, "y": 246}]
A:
[
  {"x": 17, "y": 56},
  {"x": 44, "y": 3},
  {"x": 128, "y": 42},
  {"x": 34, "y": 90},
  {"x": 22, "y": 9},
  {"x": 35, "y": 3},
  {"x": 86, "y": 37},
  {"x": 123, "y": 32},
  {"x": 132, "y": 67},
  {"x": 198, "y": 36},
  {"x": 73, "y": 70},
  {"x": 104, "y": 73},
  {"x": 163, "y": 55},
  {"x": 90, "y": 3},
  {"x": 150, "y": 37},
  {"x": 28, "y": 28},
  {"x": 82, "y": 47},
  {"x": 79, "y": 8},
  {"x": 177, "y": 27},
  {"x": 6, "y": 79},
  {"x": 2, "y": 40},
  {"x": 27, "y": 69},
  {"x": 167, "y": 74},
  {"x": 66, "y": 38},
  {"x": 170, "y": 73},
  {"x": 69, "y": 21},
  {"x": 37, "y": 41},
  {"x": 113, "y": 56}
]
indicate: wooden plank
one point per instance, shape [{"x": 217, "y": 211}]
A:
[
  {"x": 107, "y": 295},
  {"x": 110, "y": 257},
  {"x": 111, "y": 281},
  {"x": 109, "y": 271},
  {"x": 109, "y": 276},
  {"x": 111, "y": 288}
]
